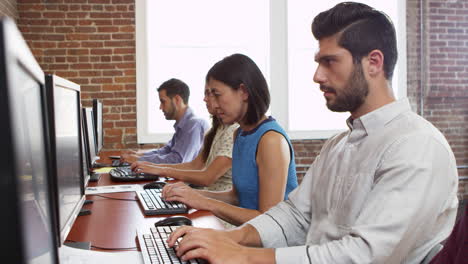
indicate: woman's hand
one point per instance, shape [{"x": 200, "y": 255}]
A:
[
  {"x": 147, "y": 167},
  {"x": 182, "y": 193}
]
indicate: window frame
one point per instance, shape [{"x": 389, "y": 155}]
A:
[{"x": 278, "y": 68}]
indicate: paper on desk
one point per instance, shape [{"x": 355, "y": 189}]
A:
[
  {"x": 103, "y": 170},
  {"x": 113, "y": 189},
  {"x": 69, "y": 255}
]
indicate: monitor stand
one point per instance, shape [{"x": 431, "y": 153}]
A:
[
  {"x": 94, "y": 177},
  {"x": 100, "y": 165},
  {"x": 79, "y": 245},
  {"x": 84, "y": 212}
]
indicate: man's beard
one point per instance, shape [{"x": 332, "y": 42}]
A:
[
  {"x": 352, "y": 96},
  {"x": 170, "y": 115}
]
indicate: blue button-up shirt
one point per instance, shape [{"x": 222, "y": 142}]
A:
[{"x": 184, "y": 144}]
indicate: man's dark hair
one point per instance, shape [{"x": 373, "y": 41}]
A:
[
  {"x": 362, "y": 29},
  {"x": 239, "y": 69},
  {"x": 175, "y": 87}
]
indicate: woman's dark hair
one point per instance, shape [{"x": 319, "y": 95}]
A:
[
  {"x": 209, "y": 137},
  {"x": 362, "y": 29},
  {"x": 239, "y": 69}
]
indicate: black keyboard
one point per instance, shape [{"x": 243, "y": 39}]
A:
[
  {"x": 153, "y": 204},
  {"x": 125, "y": 174},
  {"x": 154, "y": 247},
  {"x": 115, "y": 163},
  {"x": 118, "y": 163}
]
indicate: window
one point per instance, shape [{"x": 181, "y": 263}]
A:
[{"x": 183, "y": 39}]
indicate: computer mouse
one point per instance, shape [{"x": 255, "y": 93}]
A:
[
  {"x": 178, "y": 220},
  {"x": 154, "y": 185}
]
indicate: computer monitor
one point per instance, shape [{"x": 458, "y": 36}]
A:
[
  {"x": 89, "y": 135},
  {"x": 84, "y": 155},
  {"x": 64, "y": 108},
  {"x": 97, "y": 118},
  {"x": 27, "y": 210}
]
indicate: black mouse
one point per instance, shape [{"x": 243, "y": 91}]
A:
[
  {"x": 178, "y": 220},
  {"x": 154, "y": 185}
]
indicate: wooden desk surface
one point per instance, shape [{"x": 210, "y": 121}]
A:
[{"x": 112, "y": 223}]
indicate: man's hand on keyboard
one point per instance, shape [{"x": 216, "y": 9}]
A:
[
  {"x": 180, "y": 192},
  {"x": 130, "y": 156},
  {"x": 209, "y": 244}
]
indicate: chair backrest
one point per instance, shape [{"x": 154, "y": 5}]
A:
[
  {"x": 432, "y": 253},
  {"x": 455, "y": 250}
]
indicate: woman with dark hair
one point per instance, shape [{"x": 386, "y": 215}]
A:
[
  {"x": 263, "y": 167},
  {"x": 212, "y": 167}
]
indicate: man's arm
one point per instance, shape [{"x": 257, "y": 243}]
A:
[
  {"x": 159, "y": 151},
  {"x": 171, "y": 158},
  {"x": 245, "y": 235},
  {"x": 408, "y": 210},
  {"x": 131, "y": 156},
  {"x": 188, "y": 140}
]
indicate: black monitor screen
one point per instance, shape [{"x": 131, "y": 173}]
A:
[
  {"x": 84, "y": 155},
  {"x": 32, "y": 167},
  {"x": 97, "y": 118},
  {"x": 88, "y": 120},
  {"x": 68, "y": 153},
  {"x": 27, "y": 219}
]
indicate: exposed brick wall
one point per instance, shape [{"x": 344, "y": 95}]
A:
[
  {"x": 446, "y": 93},
  {"x": 8, "y": 8},
  {"x": 439, "y": 59},
  {"x": 305, "y": 151},
  {"x": 92, "y": 42}
]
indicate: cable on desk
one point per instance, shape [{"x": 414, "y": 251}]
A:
[
  {"x": 96, "y": 247},
  {"x": 112, "y": 198},
  {"x": 132, "y": 248}
]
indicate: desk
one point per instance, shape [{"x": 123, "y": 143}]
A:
[{"x": 112, "y": 223}]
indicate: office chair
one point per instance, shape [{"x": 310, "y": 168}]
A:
[{"x": 455, "y": 248}]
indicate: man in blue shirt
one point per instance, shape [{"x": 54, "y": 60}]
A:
[{"x": 189, "y": 129}]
